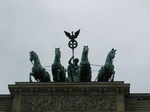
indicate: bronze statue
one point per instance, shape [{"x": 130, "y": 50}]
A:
[
  {"x": 58, "y": 71},
  {"x": 72, "y": 44},
  {"x": 107, "y": 72},
  {"x": 73, "y": 70},
  {"x": 85, "y": 68},
  {"x": 76, "y": 73},
  {"x": 38, "y": 72},
  {"x": 72, "y": 36}
]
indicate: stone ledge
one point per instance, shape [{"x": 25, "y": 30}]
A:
[{"x": 65, "y": 88}]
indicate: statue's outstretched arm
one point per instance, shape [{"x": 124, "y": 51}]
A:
[{"x": 69, "y": 62}]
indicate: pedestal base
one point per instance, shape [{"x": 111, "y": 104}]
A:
[{"x": 69, "y": 97}]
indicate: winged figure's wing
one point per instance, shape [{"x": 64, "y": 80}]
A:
[
  {"x": 77, "y": 33},
  {"x": 67, "y": 34}
]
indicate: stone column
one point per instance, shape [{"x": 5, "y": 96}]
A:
[
  {"x": 16, "y": 100},
  {"x": 120, "y": 100}
]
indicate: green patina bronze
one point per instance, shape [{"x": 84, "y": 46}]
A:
[
  {"x": 76, "y": 73},
  {"x": 85, "y": 68},
  {"x": 38, "y": 72},
  {"x": 106, "y": 73},
  {"x": 73, "y": 70},
  {"x": 58, "y": 71}
]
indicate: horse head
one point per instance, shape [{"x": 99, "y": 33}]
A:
[
  {"x": 111, "y": 54},
  {"x": 32, "y": 56},
  {"x": 85, "y": 49},
  {"x": 85, "y": 53},
  {"x": 57, "y": 53}
]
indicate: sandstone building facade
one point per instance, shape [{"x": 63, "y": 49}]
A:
[{"x": 73, "y": 97}]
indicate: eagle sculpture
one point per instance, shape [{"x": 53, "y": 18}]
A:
[{"x": 72, "y": 36}]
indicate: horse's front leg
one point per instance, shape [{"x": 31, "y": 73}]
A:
[
  {"x": 113, "y": 75},
  {"x": 58, "y": 75},
  {"x": 31, "y": 74}
]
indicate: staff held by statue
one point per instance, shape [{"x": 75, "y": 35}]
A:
[{"x": 72, "y": 44}]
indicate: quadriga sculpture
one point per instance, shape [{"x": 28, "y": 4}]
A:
[
  {"x": 38, "y": 72},
  {"x": 85, "y": 68},
  {"x": 58, "y": 71},
  {"x": 107, "y": 72}
]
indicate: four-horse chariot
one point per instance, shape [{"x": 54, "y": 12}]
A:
[{"x": 76, "y": 73}]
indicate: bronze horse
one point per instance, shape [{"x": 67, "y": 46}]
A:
[
  {"x": 58, "y": 71},
  {"x": 85, "y": 68},
  {"x": 107, "y": 72},
  {"x": 38, "y": 72}
]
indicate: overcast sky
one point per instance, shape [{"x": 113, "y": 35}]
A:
[{"x": 39, "y": 25}]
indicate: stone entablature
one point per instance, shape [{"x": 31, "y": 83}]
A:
[
  {"x": 69, "y": 97},
  {"x": 61, "y": 97},
  {"x": 65, "y": 88}
]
